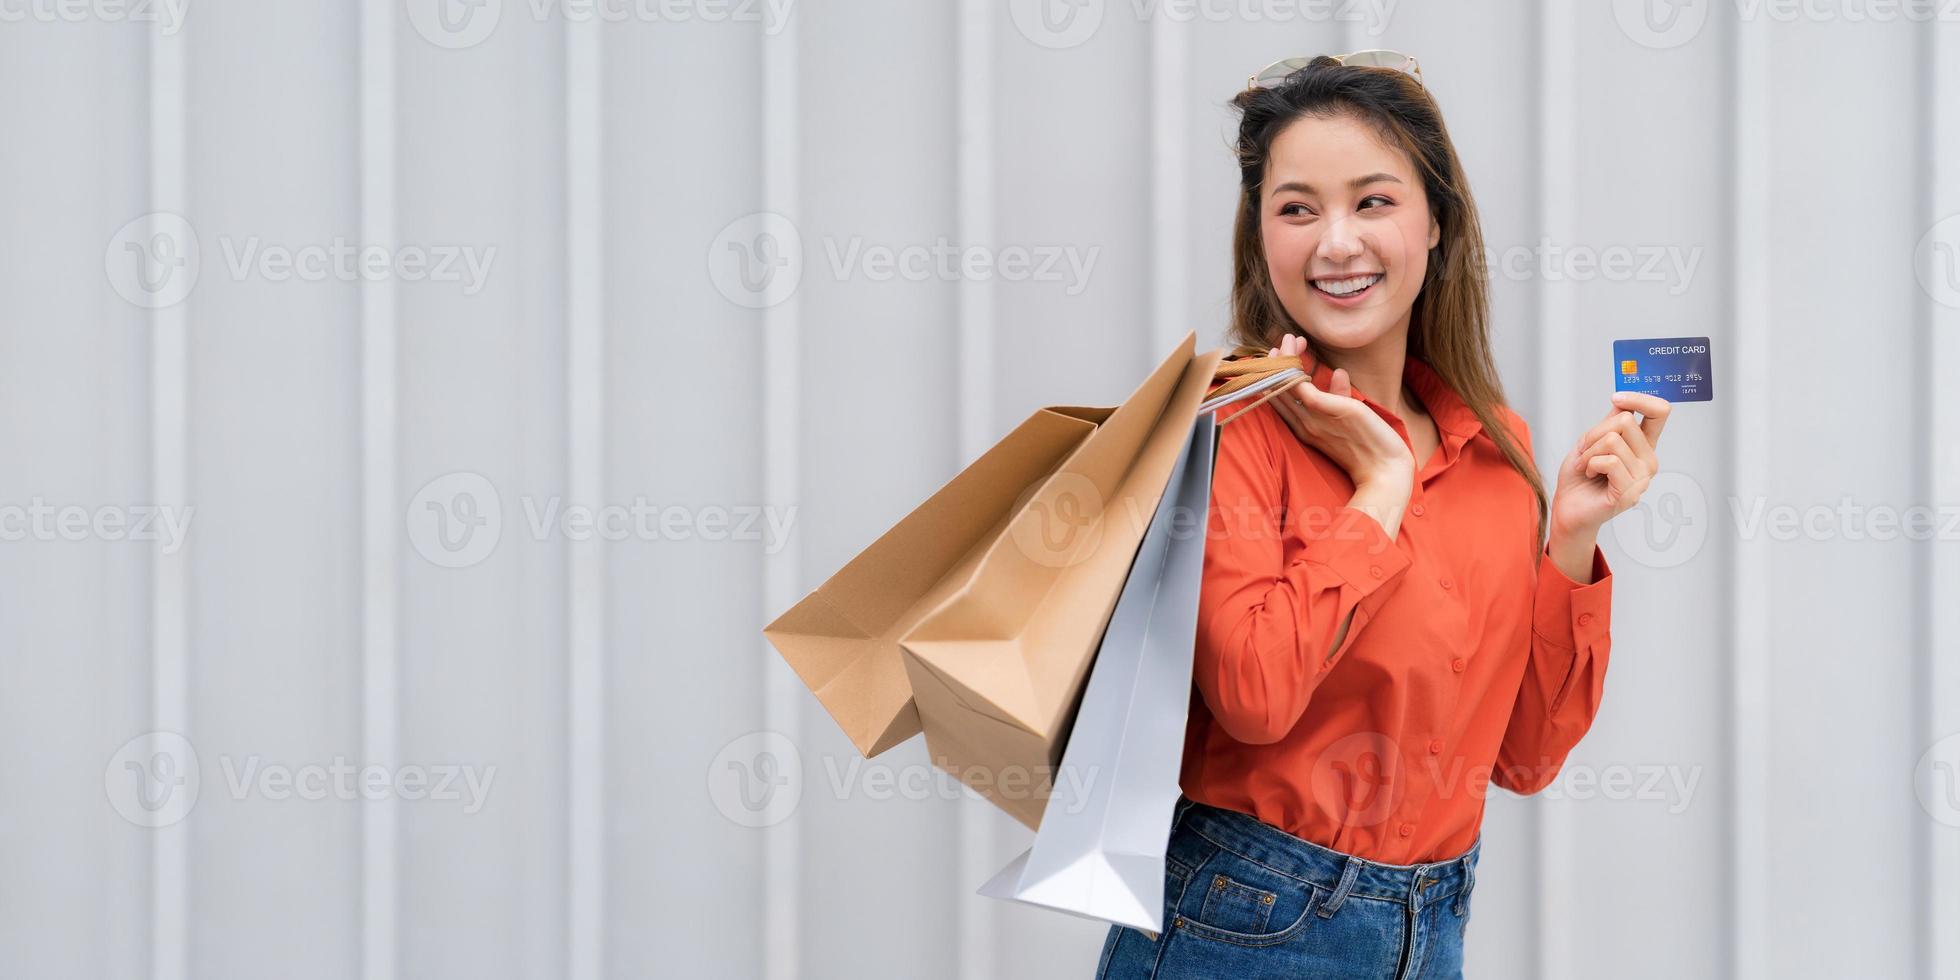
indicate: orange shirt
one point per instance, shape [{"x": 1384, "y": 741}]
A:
[{"x": 1468, "y": 660}]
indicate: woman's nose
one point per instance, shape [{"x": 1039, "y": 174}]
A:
[{"x": 1339, "y": 243}]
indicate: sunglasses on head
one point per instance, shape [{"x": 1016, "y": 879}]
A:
[{"x": 1272, "y": 75}]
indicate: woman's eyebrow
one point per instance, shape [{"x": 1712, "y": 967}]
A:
[{"x": 1358, "y": 182}]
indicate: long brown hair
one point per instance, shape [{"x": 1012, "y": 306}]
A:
[{"x": 1449, "y": 326}]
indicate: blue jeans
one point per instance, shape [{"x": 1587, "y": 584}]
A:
[{"x": 1244, "y": 899}]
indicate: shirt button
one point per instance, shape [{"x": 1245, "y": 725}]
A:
[
  {"x": 1435, "y": 746},
  {"x": 1446, "y": 584},
  {"x": 1585, "y": 619},
  {"x": 1457, "y": 665},
  {"x": 1375, "y": 570},
  {"x": 1406, "y": 829},
  {"x": 1416, "y": 510}
]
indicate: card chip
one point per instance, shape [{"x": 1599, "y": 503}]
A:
[{"x": 1629, "y": 367}]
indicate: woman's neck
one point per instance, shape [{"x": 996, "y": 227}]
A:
[{"x": 1377, "y": 370}]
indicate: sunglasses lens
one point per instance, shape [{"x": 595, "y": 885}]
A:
[
  {"x": 1377, "y": 59},
  {"x": 1276, "y": 72}
]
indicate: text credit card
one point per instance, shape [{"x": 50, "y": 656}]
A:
[{"x": 1675, "y": 368}]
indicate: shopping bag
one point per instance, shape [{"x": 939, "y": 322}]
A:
[
  {"x": 998, "y": 669},
  {"x": 843, "y": 639},
  {"x": 1102, "y": 844}
]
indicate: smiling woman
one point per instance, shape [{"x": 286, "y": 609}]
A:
[{"x": 1383, "y": 626}]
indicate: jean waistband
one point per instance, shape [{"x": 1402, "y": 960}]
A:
[{"x": 1338, "y": 872}]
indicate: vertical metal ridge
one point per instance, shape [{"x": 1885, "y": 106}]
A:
[
  {"x": 1170, "y": 181},
  {"x": 585, "y": 375},
  {"x": 1937, "y": 714},
  {"x": 975, "y": 320},
  {"x": 170, "y": 486},
  {"x": 781, "y": 472},
  {"x": 1749, "y": 476},
  {"x": 1557, "y": 309}
]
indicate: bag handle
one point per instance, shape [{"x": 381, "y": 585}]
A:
[{"x": 1252, "y": 372}]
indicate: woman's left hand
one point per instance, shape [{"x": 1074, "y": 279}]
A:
[{"x": 1605, "y": 474}]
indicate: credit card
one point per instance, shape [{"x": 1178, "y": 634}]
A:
[{"x": 1675, "y": 368}]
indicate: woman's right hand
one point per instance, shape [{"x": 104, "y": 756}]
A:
[{"x": 1348, "y": 432}]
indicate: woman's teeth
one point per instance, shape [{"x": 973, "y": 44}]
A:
[{"x": 1345, "y": 287}]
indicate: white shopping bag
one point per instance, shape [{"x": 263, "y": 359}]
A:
[{"x": 1100, "y": 849}]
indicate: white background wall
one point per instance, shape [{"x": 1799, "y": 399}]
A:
[{"x": 1798, "y": 155}]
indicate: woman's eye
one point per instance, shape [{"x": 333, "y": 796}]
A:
[
  {"x": 1374, "y": 197},
  {"x": 1294, "y": 210}
]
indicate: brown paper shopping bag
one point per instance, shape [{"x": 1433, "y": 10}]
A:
[
  {"x": 843, "y": 639},
  {"x": 998, "y": 667}
]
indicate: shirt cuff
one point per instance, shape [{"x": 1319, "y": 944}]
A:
[
  {"x": 1358, "y": 549},
  {"x": 1568, "y": 615}
]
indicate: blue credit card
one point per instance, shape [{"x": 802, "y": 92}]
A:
[{"x": 1675, "y": 368}]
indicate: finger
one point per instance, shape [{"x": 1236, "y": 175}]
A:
[
  {"x": 1653, "y": 408},
  {"x": 1295, "y": 418},
  {"x": 1613, "y": 469},
  {"x": 1615, "y": 444},
  {"x": 1341, "y": 386},
  {"x": 1612, "y": 421},
  {"x": 1636, "y": 440}
]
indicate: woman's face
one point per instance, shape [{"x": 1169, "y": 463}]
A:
[{"x": 1347, "y": 231}]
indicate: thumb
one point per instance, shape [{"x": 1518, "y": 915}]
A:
[{"x": 1340, "y": 385}]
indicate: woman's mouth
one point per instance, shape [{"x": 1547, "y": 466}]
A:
[{"x": 1347, "y": 291}]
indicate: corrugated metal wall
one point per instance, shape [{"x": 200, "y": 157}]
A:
[{"x": 752, "y": 279}]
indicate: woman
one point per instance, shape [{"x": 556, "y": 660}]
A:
[{"x": 1391, "y": 615}]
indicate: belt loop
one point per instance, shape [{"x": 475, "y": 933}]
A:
[
  {"x": 1348, "y": 875},
  {"x": 1469, "y": 882}
]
